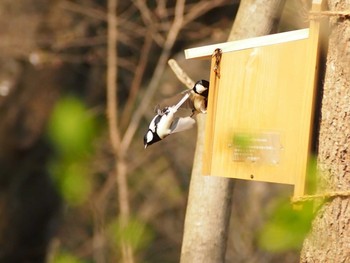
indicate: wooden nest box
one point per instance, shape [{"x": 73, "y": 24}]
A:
[{"x": 260, "y": 106}]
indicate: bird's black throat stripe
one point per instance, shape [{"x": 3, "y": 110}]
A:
[{"x": 155, "y": 135}]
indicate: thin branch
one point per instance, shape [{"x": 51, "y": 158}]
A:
[
  {"x": 112, "y": 112},
  {"x": 181, "y": 74},
  {"x": 136, "y": 83},
  {"x": 201, "y": 8},
  {"x": 99, "y": 238},
  {"x": 124, "y": 18},
  {"x": 147, "y": 18},
  {"x": 99, "y": 200},
  {"x": 123, "y": 197},
  {"x": 124, "y": 37},
  {"x": 81, "y": 9},
  {"x": 161, "y": 10},
  {"x": 112, "y": 99},
  {"x": 130, "y": 28}
]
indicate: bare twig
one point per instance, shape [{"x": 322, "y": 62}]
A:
[
  {"x": 81, "y": 9},
  {"x": 100, "y": 15},
  {"x": 98, "y": 240},
  {"x": 161, "y": 9},
  {"x": 201, "y": 8},
  {"x": 136, "y": 83},
  {"x": 112, "y": 99},
  {"x": 112, "y": 112},
  {"x": 146, "y": 15},
  {"x": 181, "y": 74},
  {"x": 78, "y": 42}
]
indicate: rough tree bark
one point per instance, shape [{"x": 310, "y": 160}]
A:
[
  {"x": 329, "y": 238},
  {"x": 209, "y": 201}
]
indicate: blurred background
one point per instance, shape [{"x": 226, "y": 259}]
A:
[{"x": 58, "y": 190}]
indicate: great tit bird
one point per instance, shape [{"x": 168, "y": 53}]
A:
[
  {"x": 199, "y": 97},
  {"x": 165, "y": 123}
]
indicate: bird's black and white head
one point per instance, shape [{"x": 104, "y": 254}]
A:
[
  {"x": 201, "y": 87},
  {"x": 150, "y": 138},
  {"x": 151, "y": 135}
]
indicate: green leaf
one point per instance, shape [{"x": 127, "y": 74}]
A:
[
  {"x": 73, "y": 180},
  {"x": 65, "y": 257},
  {"x": 71, "y": 128},
  {"x": 136, "y": 233},
  {"x": 286, "y": 228},
  {"x": 76, "y": 184}
]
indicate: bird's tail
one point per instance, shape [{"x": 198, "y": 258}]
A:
[{"x": 184, "y": 98}]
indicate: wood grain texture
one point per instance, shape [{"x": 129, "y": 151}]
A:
[{"x": 264, "y": 92}]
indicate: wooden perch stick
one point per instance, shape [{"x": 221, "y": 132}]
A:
[
  {"x": 181, "y": 74},
  {"x": 316, "y": 14}
]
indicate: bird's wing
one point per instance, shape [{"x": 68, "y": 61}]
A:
[{"x": 181, "y": 124}]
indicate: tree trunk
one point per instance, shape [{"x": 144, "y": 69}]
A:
[
  {"x": 329, "y": 238},
  {"x": 209, "y": 201}
]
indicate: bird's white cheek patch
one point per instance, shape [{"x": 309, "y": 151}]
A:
[
  {"x": 149, "y": 136},
  {"x": 200, "y": 88}
]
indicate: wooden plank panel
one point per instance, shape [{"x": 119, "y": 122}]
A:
[
  {"x": 207, "y": 51},
  {"x": 210, "y": 121},
  {"x": 263, "y": 91},
  {"x": 313, "y": 46}
]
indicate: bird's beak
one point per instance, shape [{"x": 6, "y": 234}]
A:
[{"x": 146, "y": 146}]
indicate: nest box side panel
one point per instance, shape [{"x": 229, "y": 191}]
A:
[
  {"x": 261, "y": 113},
  {"x": 210, "y": 121},
  {"x": 311, "y": 74}
]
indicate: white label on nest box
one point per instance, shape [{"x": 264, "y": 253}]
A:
[{"x": 259, "y": 147}]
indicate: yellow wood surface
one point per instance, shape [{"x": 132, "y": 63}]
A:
[
  {"x": 263, "y": 90},
  {"x": 266, "y": 93}
]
